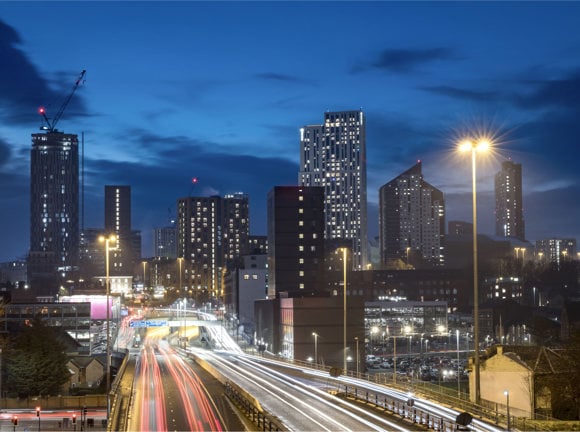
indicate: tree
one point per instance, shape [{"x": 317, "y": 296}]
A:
[
  {"x": 36, "y": 362},
  {"x": 571, "y": 355}
]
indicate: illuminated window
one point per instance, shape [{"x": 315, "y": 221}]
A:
[{"x": 246, "y": 277}]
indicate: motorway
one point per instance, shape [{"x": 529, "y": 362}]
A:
[{"x": 172, "y": 392}]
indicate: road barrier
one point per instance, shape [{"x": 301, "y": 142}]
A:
[
  {"x": 404, "y": 408},
  {"x": 262, "y": 419}
]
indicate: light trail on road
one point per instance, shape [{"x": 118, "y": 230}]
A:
[{"x": 300, "y": 407}]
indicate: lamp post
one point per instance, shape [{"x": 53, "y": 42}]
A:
[
  {"x": 395, "y": 359},
  {"x": 144, "y": 269},
  {"x": 357, "y": 356},
  {"x": 344, "y": 251},
  {"x": 458, "y": 384},
  {"x": 474, "y": 147},
  {"x": 315, "y": 347},
  {"x": 108, "y": 248},
  {"x": 507, "y": 402},
  {"x": 179, "y": 260}
]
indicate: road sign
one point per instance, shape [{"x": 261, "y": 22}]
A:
[{"x": 145, "y": 323}]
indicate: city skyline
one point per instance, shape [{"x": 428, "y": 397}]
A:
[{"x": 219, "y": 91}]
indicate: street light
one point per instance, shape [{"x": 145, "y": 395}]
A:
[
  {"x": 475, "y": 147},
  {"x": 144, "y": 268},
  {"x": 507, "y": 401},
  {"x": 179, "y": 260},
  {"x": 357, "y": 356},
  {"x": 458, "y": 384},
  {"x": 315, "y": 347},
  {"x": 108, "y": 248},
  {"x": 344, "y": 251}
]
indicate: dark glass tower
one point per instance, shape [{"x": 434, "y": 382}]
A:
[
  {"x": 295, "y": 239},
  {"x": 54, "y": 210},
  {"x": 411, "y": 219}
]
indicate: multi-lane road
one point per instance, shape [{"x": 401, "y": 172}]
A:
[{"x": 172, "y": 392}]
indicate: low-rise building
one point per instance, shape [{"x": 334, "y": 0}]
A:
[{"x": 529, "y": 375}]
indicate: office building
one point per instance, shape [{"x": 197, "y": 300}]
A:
[
  {"x": 509, "y": 211},
  {"x": 411, "y": 221},
  {"x": 333, "y": 156},
  {"x": 54, "y": 211},
  {"x": 295, "y": 239}
]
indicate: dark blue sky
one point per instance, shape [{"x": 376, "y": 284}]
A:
[{"x": 219, "y": 91}]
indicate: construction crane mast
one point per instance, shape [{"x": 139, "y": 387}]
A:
[{"x": 51, "y": 125}]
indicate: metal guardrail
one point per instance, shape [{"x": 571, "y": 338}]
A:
[
  {"x": 405, "y": 409},
  {"x": 262, "y": 419}
]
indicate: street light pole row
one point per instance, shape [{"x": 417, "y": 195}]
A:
[{"x": 108, "y": 248}]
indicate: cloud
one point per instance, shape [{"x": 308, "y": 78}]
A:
[
  {"x": 559, "y": 206},
  {"x": 4, "y": 152},
  {"x": 158, "y": 181},
  {"x": 458, "y": 93},
  {"x": 23, "y": 88},
  {"x": 560, "y": 93},
  {"x": 406, "y": 60},
  {"x": 394, "y": 144},
  {"x": 273, "y": 76}
]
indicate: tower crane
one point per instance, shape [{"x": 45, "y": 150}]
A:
[{"x": 51, "y": 125}]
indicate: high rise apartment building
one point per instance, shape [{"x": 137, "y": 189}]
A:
[
  {"x": 509, "y": 211},
  {"x": 54, "y": 210},
  {"x": 212, "y": 232},
  {"x": 411, "y": 219},
  {"x": 295, "y": 240},
  {"x": 333, "y": 156},
  {"x": 165, "y": 242},
  {"x": 118, "y": 222},
  {"x": 236, "y": 226},
  {"x": 555, "y": 250}
]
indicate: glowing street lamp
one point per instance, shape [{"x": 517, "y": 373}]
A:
[
  {"x": 474, "y": 147},
  {"x": 315, "y": 347},
  {"x": 458, "y": 383},
  {"x": 144, "y": 268},
  {"x": 108, "y": 248},
  {"x": 357, "y": 356},
  {"x": 344, "y": 256}
]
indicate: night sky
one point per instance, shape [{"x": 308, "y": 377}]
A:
[{"x": 219, "y": 90}]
